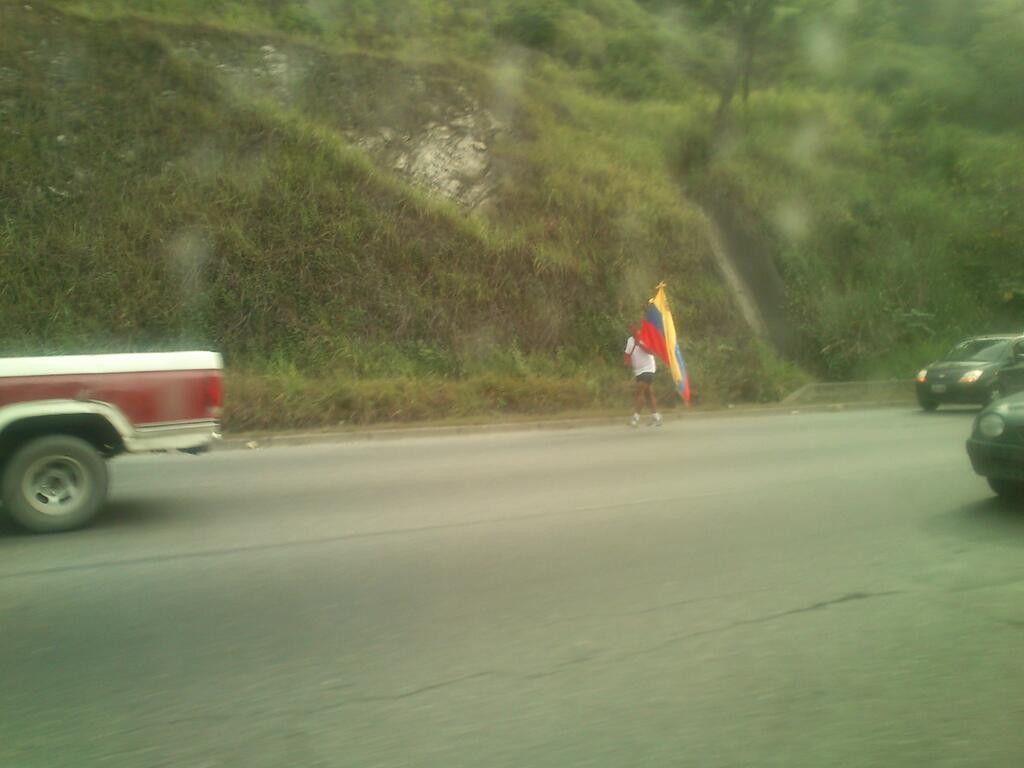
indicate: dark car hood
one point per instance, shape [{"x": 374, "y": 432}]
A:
[
  {"x": 953, "y": 366},
  {"x": 1010, "y": 408}
]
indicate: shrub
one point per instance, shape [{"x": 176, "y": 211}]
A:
[{"x": 533, "y": 23}]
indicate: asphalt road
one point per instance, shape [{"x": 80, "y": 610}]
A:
[{"x": 794, "y": 590}]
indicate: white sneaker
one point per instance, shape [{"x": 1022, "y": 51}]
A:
[
  {"x": 656, "y": 420},
  {"x": 635, "y": 421}
]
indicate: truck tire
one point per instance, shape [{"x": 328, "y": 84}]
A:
[{"x": 54, "y": 483}]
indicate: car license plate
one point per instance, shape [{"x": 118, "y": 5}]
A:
[{"x": 938, "y": 389}]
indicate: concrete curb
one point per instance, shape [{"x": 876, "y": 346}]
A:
[
  {"x": 252, "y": 442},
  {"x": 888, "y": 390}
]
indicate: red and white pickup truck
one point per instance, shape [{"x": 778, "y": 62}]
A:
[{"x": 61, "y": 417}]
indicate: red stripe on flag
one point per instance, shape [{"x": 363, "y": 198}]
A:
[{"x": 650, "y": 336}]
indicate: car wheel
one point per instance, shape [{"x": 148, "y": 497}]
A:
[
  {"x": 54, "y": 483},
  {"x": 1007, "y": 489}
]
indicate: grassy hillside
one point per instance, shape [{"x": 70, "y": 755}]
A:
[
  {"x": 164, "y": 185},
  {"x": 886, "y": 179}
]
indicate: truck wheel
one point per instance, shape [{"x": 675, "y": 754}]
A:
[
  {"x": 54, "y": 483},
  {"x": 1007, "y": 489}
]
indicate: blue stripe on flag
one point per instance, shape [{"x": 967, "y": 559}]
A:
[{"x": 653, "y": 316}]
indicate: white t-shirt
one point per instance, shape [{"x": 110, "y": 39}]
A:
[{"x": 643, "y": 362}]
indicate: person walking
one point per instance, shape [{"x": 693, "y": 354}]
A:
[{"x": 642, "y": 361}]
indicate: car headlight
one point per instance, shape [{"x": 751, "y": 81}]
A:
[
  {"x": 922, "y": 375},
  {"x": 991, "y": 425},
  {"x": 971, "y": 376}
]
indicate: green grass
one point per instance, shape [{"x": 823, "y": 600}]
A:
[
  {"x": 155, "y": 206},
  {"x": 891, "y": 243},
  {"x": 158, "y": 192},
  {"x": 282, "y": 397},
  {"x": 269, "y": 401}
]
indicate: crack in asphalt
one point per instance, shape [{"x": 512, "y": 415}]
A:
[
  {"x": 650, "y": 504},
  {"x": 644, "y": 505},
  {"x": 551, "y": 670},
  {"x": 427, "y": 688},
  {"x": 847, "y": 598},
  {"x": 660, "y": 607},
  {"x": 569, "y": 664},
  {"x": 560, "y": 667}
]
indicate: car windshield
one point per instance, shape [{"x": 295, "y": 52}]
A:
[{"x": 982, "y": 350}]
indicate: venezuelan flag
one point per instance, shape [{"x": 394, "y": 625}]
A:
[{"x": 658, "y": 334}]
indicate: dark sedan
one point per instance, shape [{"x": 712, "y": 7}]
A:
[
  {"x": 996, "y": 446},
  {"x": 968, "y": 374},
  {"x": 1011, "y": 378}
]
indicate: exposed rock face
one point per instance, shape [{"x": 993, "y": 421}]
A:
[
  {"x": 451, "y": 158},
  {"x": 421, "y": 127}
]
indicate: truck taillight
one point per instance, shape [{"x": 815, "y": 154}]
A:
[{"x": 214, "y": 395}]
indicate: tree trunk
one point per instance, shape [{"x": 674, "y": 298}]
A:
[
  {"x": 725, "y": 101},
  {"x": 748, "y": 66},
  {"x": 728, "y": 90}
]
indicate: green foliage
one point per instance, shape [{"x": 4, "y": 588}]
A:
[
  {"x": 869, "y": 247},
  {"x": 533, "y": 23},
  {"x": 632, "y": 67},
  {"x": 154, "y": 199},
  {"x": 297, "y": 18},
  {"x": 511, "y": 384},
  {"x": 157, "y": 206},
  {"x": 742, "y": 13},
  {"x": 290, "y": 399}
]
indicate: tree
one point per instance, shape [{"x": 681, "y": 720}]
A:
[{"x": 746, "y": 23}]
